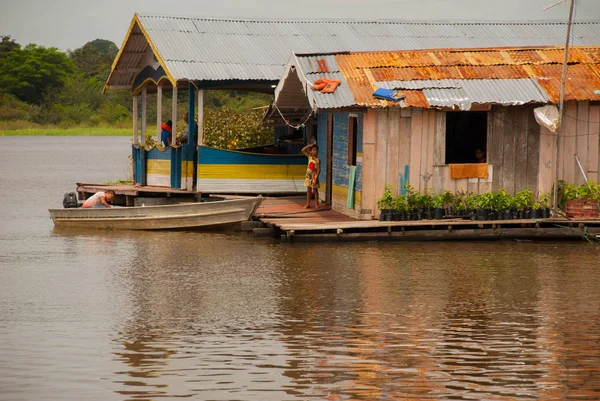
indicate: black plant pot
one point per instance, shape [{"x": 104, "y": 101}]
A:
[
  {"x": 428, "y": 214},
  {"x": 536, "y": 214},
  {"x": 520, "y": 214},
  {"x": 404, "y": 216},
  {"x": 527, "y": 214},
  {"x": 507, "y": 215},
  {"x": 545, "y": 213},
  {"x": 438, "y": 213},
  {"x": 383, "y": 216},
  {"x": 395, "y": 216},
  {"x": 472, "y": 214},
  {"x": 415, "y": 215},
  {"x": 482, "y": 214},
  {"x": 493, "y": 215}
]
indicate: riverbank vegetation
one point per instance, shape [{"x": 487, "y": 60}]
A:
[{"x": 44, "y": 91}]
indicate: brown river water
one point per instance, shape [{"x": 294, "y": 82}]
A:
[{"x": 165, "y": 315}]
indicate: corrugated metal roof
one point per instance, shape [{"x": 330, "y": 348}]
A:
[
  {"x": 515, "y": 67},
  {"x": 254, "y": 49},
  {"x": 460, "y": 78},
  {"x": 507, "y": 92}
]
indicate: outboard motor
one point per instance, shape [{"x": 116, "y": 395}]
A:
[{"x": 70, "y": 200}]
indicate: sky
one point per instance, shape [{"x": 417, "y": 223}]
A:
[{"x": 69, "y": 24}]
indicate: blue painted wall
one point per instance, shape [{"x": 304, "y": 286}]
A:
[
  {"x": 322, "y": 143},
  {"x": 341, "y": 170}
]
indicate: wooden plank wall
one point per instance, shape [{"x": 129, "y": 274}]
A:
[
  {"x": 579, "y": 137},
  {"x": 514, "y": 148},
  {"x": 409, "y": 146}
]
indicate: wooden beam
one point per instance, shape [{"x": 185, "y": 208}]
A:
[
  {"x": 135, "y": 121},
  {"x": 158, "y": 112},
  {"x": 144, "y": 113},
  {"x": 200, "y": 96},
  {"x": 174, "y": 116}
]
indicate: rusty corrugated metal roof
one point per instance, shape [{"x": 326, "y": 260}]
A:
[{"x": 529, "y": 75}]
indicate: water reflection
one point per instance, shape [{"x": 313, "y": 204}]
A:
[{"x": 228, "y": 317}]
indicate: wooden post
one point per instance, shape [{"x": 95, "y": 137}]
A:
[
  {"x": 174, "y": 116},
  {"x": 135, "y": 121},
  {"x": 144, "y": 113},
  {"x": 200, "y": 117},
  {"x": 158, "y": 112}
]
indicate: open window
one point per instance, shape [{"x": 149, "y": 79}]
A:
[
  {"x": 352, "y": 139},
  {"x": 466, "y": 137}
]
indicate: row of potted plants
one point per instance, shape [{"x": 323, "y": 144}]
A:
[{"x": 497, "y": 205}]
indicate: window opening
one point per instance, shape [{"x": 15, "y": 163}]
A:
[
  {"x": 466, "y": 137},
  {"x": 352, "y": 139}
]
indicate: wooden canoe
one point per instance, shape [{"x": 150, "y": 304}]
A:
[{"x": 184, "y": 215}]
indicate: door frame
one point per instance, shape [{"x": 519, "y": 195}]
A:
[{"x": 329, "y": 160}]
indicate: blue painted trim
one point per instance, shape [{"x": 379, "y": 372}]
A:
[
  {"x": 156, "y": 154},
  {"x": 220, "y": 156},
  {"x": 403, "y": 179},
  {"x": 176, "y": 154},
  {"x": 139, "y": 164}
]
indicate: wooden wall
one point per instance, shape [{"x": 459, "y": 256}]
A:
[{"x": 408, "y": 146}]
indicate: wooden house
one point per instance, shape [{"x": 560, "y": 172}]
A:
[
  {"x": 163, "y": 53},
  {"x": 448, "y": 104}
]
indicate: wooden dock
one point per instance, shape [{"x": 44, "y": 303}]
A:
[{"x": 290, "y": 221}]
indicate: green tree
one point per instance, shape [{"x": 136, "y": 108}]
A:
[
  {"x": 33, "y": 72},
  {"x": 95, "y": 58},
  {"x": 7, "y": 44}
]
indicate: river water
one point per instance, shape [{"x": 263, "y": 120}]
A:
[{"x": 165, "y": 315}]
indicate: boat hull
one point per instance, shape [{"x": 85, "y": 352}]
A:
[{"x": 167, "y": 217}]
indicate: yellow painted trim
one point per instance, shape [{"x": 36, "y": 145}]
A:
[
  {"x": 138, "y": 89},
  {"x": 158, "y": 167},
  {"x": 359, "y": 154},
  {"x": 251, "y": 171},
  {"x": 341, "y": 194},
  {"x": 187, "y": 169},
  {"x": 155, "y": 50},
  {"x": 136, "y": 20},
  {"x": 258, "y": 154}
]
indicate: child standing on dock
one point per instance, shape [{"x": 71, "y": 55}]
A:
[{"x": 311, "y": 182}]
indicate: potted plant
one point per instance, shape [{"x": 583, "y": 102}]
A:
[
  {"x": 484, "y": 204},
  {"x": 399, "y": 210},
  {"x": 471, "y": 205},
  {"x": 437, "y": 202},
  {"x": 505, "y": 205},
  {"x": 545, "y": 200},
  {"x": 385, "y": 204},
  {"x": 448, "y": 202},
  {"x": 426, "y": 202},
  {"x": 523, "y": 203},
  {"x": 413, "y": 200}
]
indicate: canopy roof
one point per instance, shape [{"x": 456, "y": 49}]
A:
[
  {"x": 441, "y": 78},
  {"x": 252, "y": 53}
]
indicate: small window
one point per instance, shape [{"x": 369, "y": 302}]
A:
[
  {"x": 352, "y": 139},
  {"x": 466, "y": 137}
]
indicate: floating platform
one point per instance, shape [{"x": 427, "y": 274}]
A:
[{"x": 291, "y": 222}]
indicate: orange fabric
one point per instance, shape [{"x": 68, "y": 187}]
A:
[
  {"x": 331, "y": 85},
  {"x": 325, "y": 85},
  {"x": 471, "y": 170}
]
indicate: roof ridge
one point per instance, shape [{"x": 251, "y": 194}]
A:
[{"x": 374, "y": 20}]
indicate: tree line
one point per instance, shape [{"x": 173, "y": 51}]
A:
[{"x": 46, "y": 86}]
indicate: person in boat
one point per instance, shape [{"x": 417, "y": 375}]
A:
[
  {"x": 311, "y": 181},
  {"x": 167, "y": 131},
  {"x": 99, "y": 200}
]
